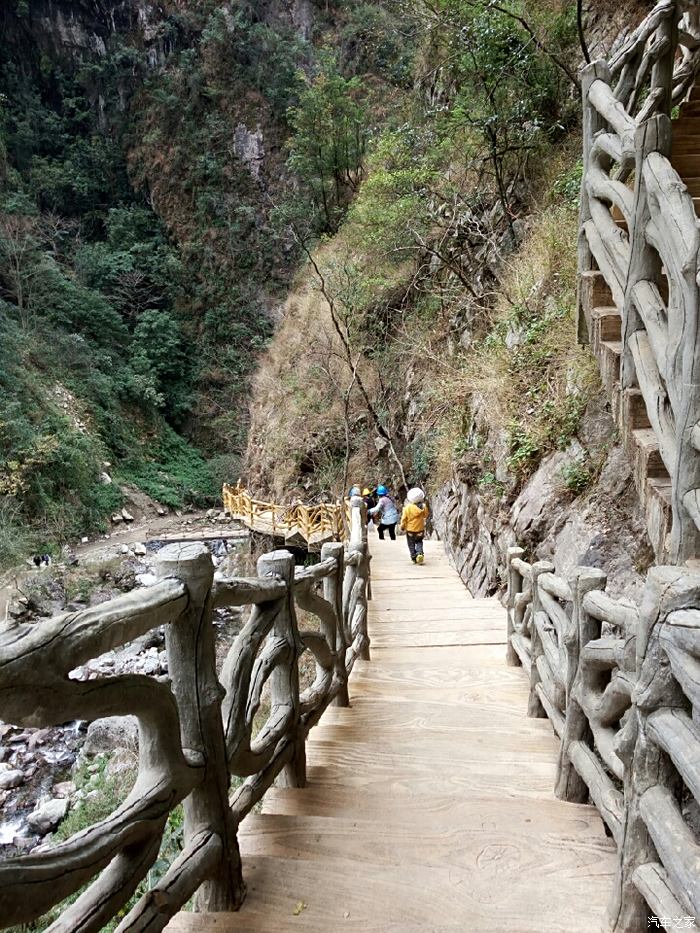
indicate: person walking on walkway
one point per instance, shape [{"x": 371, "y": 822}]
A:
[
  {"x": 387, "y": 513},
  {"x": 413, "y": 519},
  {"x": 370, "y": 501}
]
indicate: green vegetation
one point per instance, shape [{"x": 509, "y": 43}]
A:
[
  {"x": 443, "y": 308},
  {"x": 328, "y": 143},
  {"x": 103, "y": 793},
  {"x": 577, "y": 477},
  {"x": 144, "y": 241}
]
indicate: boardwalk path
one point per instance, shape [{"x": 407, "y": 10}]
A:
[{"x": 429, "y": 805}]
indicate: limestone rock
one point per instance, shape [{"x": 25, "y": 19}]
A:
[
  {"x": 139, "y": 549},
  {"x": 64, "y": 789},
  {"x": 11, "y": 778},
  {"x": 533, "y": 507},
  {"x": 126, "y": 515},
  {"x": 146, "y": 579},
  {"x": 48, "y": 815},
  {"x": 117, "y": 518},
  {"x": 105, "y": 735}
]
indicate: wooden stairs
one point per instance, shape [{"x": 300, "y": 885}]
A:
[
  {"x": 429, "y": 804},
  {"x": 651, "y": 476},
  {"x": 605, "y": 330},
  {"x": 685, "y": 146}
]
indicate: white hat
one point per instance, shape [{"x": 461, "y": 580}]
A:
[{"x": 415, "y": 495}]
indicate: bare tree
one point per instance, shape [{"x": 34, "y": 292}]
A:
[
  {"x": 19, "y": 262},
  {"x": 350, "y": 355}
]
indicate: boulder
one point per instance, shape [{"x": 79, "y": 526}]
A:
[
  {"x": 146, "y": 579},
  {"x": 105, "y": 479},
  {"x": 48, "y": 815},
  {"x": 105, "y": 735},
  {"x": 139, "y": 549},
  {"x": 11, "y": 778},
  {"x": 64, "y": 789},
  {"x": 126, "y": 515},
  {"x": 123, "y": 761},
  {"x": 117, "y": 518}
]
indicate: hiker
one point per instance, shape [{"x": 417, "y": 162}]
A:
[
  {"x": 370, "y": 501},
  {"x": 386, "y": 512},
  {"x": 413, "y": 519}
]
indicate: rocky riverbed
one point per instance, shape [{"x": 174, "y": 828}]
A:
[{"x": 37, "y": 766}]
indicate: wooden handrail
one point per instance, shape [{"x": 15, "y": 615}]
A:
[
  {"x": 638, "y": 258},
  {"x": 192, "y": 738},
  {"x": 312, "y": 525},
  {"x": 627, "y": 721}
]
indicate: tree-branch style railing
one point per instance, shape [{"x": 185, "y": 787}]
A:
[
  {"x": 628, "y": 724},
  {"x": 638, "y": 254},
  {"x": 196, "y": 729},
  {"x": 299, "y": 525}
]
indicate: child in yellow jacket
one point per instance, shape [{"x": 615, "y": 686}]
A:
[{"x": 413, "y": 519}]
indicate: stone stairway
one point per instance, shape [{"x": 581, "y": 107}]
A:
[{"x": 429, "y": 803}]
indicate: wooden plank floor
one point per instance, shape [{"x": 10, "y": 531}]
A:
[{"x": 429, "y": 804}]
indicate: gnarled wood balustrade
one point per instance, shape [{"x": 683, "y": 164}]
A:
[{"x": 195, "y": 727}]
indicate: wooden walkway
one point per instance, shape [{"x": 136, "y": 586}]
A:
[{"x": 429, "y": 805}]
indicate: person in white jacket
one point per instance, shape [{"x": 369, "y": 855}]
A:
[{"x": 387, "y": 513}]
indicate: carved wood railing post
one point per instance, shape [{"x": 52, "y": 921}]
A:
[
  {"x": 333, "y": 593},
  {"x": 569, "y": 785},
  {"x": 356, "y": 587},
  {"x": 284, "y": 680},
  {"x": 515, "y": 586},
  {"x": 192, "y": 669},
  {"x": 535, "y": 709},
  {"x": 646, "y": 766},
  {"x": 653, "y": 136},
  {"x": 662, "y": 71},
  {"x": 593, "y": 122}
]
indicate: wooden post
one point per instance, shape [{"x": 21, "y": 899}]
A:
[
  {"x": 646, "y": 766},
  {"x": 593, "y": 123},
  {"x": 535, "y": 709},
  {"x": 359, "y": 582},
  {"x": 333, "y": 593},
  {"x": 653, "y": 136},
  {"x": 662, "y": 72},
  {"x": 192, "y": 668},
  {"x": 569, "y": 785},
  {"x": 515, "y": 586},
  {"x": 284, "y": 680}
]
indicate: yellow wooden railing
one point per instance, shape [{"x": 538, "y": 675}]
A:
[{"x": 298, "y": 524}]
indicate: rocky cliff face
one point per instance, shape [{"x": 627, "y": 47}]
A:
[
  {"x": 74, "y": 30},
  {"x": 603, "y": 527}
]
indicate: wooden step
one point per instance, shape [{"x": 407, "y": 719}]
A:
[
  {"x": 692, "y": 183},
  {"x": 648, "y": 461},
  {"x": 450, "y": 830},
  {"x": 594, "y": 292},
  {"x": 609, "y": 355},
  {"x": 659, "y": 512},
  {"x": 635, "y": 413},
  {"x": 429, "y": 802},
  {"x": 690, "y": 108},
  {"x": 606, "y": 326},
  {"x": 687, "y": 166},
  {"x": 545, "y": 892}
]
